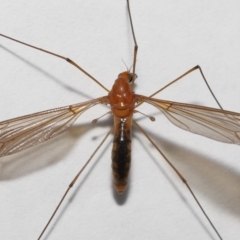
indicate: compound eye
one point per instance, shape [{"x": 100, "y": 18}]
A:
[{"x": 130, "y": 77}]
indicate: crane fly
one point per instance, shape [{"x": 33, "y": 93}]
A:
[{"x": 20, "y": 133}]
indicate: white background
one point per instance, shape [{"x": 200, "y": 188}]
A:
[{"x": 173, "y": 36}]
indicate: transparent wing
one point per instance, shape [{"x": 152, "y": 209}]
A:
[
  {"x": 217, "y": 124},
  {"x": 20, "y": 133}
]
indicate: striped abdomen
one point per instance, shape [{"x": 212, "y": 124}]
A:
[{"x": 121, "y": 152}]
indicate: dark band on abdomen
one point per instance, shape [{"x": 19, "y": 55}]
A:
[{"x": 121, "y": 152}]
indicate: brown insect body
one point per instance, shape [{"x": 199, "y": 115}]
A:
[
  {"x": 23, "y": 132},
  {"x": 122, "y": 101}
]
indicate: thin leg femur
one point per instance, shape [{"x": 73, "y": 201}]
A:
[
  {"x": 135, "y": 43},
  {"x": 185, "y": 74},
  {"x": 72, "y": 183},
  {"x": 59, "y": 56},
  {"x": 180, "y": 176}
]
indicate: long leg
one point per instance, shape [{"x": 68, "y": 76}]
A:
[
  {"x": 175, "y": 80},
  {"x": 180, "y": 176},
  {"x": 185, "y": 74},
  {"x": 72, "y": 183},
  {"x": 135, "y": 43},
  {"x": 59, "y": 56}
]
